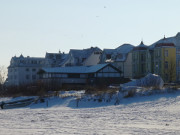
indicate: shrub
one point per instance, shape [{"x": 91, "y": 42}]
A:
[{"x": 130, "y": 93}]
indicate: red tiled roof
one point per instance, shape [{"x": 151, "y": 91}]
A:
[{"x": 164, "y": 44}]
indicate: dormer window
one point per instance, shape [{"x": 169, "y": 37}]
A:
[
  {"x": 83, "y": 59},
  {"x": 166, "y": 53},
  {"x": 120, "y": 56},
  {"x": 97, "y": 52},
  {"x": 108, "y": 56}
]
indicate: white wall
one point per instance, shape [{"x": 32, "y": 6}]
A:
[
  {"x": 93, "y": 59},
  {"x": 128, "y": 66},
  {"x": 18, "y": 75},
  {"x": 125, "y": 66}
]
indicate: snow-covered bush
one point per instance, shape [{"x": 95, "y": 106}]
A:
[
  {"x": 143, "y": 86},
  {"x": 130, "y": 91},
  {"x": 149, "y": 81}
]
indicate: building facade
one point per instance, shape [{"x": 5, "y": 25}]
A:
[
  {"x": 23, "y": 70},
  {"x": 55, "y": 59},
  {"x": 90, "y": 75},
  {"x": 165, "y": 61},
  {"x": 120, "y": 57},
  {"x": 141, "y": 61},
  {"x": 85, "y": 57}
]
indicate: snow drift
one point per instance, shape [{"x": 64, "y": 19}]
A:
[{"x": 150, "y": 80}]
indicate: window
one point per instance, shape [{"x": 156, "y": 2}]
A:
[
  {"x": 178, "y": 76},
  {"x": 178, "y": 51},
  {"x": 33, "y": 69},
  {"x": 90, "y": 75},
  {"x": 27, "y": 77},
  {"x": 33, "y": 77},
  {"x": 27, "y": 69},
  {"x": 166, "y": 77},
  {"x": 120, "y": 56},
  {"x": 157, "y": 67},
  {"x": 120, "y": 68},
  {"x": 134, "y": 68},
  {"x": 178, "y": 63},
  {"x": 108, "y": 56},
  {"x": 166, "y": 65},
  {"x": 83, "y": 59},
  {"x": 97, "y": 53},
  {"x": 22, "y": 61},
  {"x": 143, "y": 57},
  {"x": 142, "y": 68},
  {"x": 73, "y": 75},
  {"x": 157, "y": 53},
  {"x": 166, "y": 53}
]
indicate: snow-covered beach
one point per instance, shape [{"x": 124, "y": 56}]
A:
[{"x": 155, "y": 114}]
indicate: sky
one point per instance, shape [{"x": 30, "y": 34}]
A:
[{"x": 34, "y": 27}]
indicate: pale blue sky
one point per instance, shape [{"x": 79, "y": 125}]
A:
[{"x": 32, "y": 27}]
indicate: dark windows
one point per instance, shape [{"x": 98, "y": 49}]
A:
[
  {"x": 108, "y": 56},
  {"x": 27, "y": 77},
  {"x": 73, "y": 75},
  {"x": 166, "y": 65},
  {"x": 91, "y": 75},
  {"x": 33, "y": 77},
  {"x": 143, "y": 58},
  {"x": 166, "y": 53}
]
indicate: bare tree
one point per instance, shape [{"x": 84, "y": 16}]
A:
[
  {"x": 170, "y": 72},
  {"x": 3, "y": 75}
]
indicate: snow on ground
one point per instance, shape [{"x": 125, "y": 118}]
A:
[{"x": 142, "y": 115}]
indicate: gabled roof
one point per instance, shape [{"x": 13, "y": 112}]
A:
[
  {"x": 75, "y": 69},
  {"x": 120, "y": 53},
  {"x": 53, "y": 55},
  {"x": 55, "y": 59},
  {"x": 163, "y": 41},
  {"x": 108, "y": 51},
  {"x": 175, "y": 40},
  {"x": 80, "y": 56},
  {"x": 125, "y": 48},
  {"x": 83, "y": 53},
  {"x": 121, "y": 57}
]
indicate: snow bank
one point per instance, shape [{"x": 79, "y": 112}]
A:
[
  {"x": 150, "y": 80},
  {"x": 151, "y": 115},
  {"x": 139, "y": 87}
]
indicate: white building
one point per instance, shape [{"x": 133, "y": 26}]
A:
[
  {"x": 85, "y": 57},
  {"x": 23, "y": 70},
  {"x": 120, "y": 57},
  {"x": 55, "y": 59}
]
